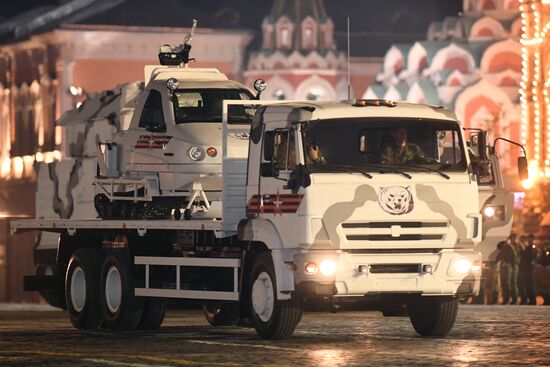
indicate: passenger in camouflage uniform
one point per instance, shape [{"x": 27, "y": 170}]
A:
[
  {"x": 401, "y": 151},
  {"x": 314, "y": 155},
  {"x": 506, "y": 259}
]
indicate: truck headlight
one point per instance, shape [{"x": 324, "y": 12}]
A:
[
  {"x": 489, "y": 211},
  {"x": 462, "y": 266},
  {"x": 328, "y": 267},
  {"x": 196, "y": 153},
  {"x": 494, "y": 212}
]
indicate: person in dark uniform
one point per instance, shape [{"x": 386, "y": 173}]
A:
[
  {"x": 517, "y": 249},
  {"x": 526, "y": 275},
  {"x": 506, "y": 259}
]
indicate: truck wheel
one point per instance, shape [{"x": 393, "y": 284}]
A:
[
  {"x": 221, "y": 314},
  {"x": 271, "y": 318},
  {"x": 81, "y": 289},
  {"x": 120, "y": 308},
  {"x": 154, "y": 310},
  {"x": 433, "y": 316}
]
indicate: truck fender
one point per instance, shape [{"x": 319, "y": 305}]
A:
[{"x": 264, "y": 231}]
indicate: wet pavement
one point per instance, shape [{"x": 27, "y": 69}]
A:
[{"x": 482, "y": 336}]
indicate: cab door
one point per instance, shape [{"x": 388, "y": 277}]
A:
[
  {"x": 275, "y": 200},
  {"x": 496, "y": 204},
  {"x": 147, "y": 139}
]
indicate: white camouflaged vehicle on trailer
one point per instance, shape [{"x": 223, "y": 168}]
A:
[{"x": 314, "y": 211}]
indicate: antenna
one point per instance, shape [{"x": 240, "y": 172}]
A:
[{"x": 349, "y": 65}]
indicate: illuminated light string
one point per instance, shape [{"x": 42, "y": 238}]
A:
[{"x": 533, "y": 35}]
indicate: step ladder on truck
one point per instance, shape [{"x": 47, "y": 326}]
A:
[{"x": 312, "y": 214}]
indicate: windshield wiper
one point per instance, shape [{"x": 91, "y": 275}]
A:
[
  {"x": 341, "y": 167},
  {"x": 383, "y": 168},
  {"x": 429, "y": 169}
]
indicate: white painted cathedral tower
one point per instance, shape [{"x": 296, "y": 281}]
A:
[{"x": 298, "y": 57}]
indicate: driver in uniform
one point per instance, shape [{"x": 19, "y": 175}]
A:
[{"x": 401, "y": 151}]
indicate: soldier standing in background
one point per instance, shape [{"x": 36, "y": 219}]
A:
[
  {"x": 506, "y": 260},
  {"x": 526, "y": 276},
  {"x": 517, "y": 249}
]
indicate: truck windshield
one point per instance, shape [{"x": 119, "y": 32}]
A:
[
  {"x": 375, "y": 144},
  {"x": 205, "y": 105}
]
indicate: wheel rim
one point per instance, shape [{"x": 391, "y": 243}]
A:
[
  {"x": 113, "y": 289},
  {"x": 263, "y": 299},
  {"x": 78, "y": 289}
]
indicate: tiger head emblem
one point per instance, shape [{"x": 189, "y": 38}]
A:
[{"x": 396, "y": 199}]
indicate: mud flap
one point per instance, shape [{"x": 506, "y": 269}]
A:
[{"x": 284, "y": 273}]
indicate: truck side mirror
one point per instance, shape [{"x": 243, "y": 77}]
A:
[
  {"x": 523, "y": 170},
  {"x": 268, "y": 169},
  {"x": 269, "y": 145},
  {"x": 299, "y": 178},
  {"x": 482, "y": 145}
]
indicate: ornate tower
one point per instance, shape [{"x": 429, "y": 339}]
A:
[{"x": 299, "y": 58}]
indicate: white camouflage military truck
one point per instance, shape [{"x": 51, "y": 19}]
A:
[{"x": 321, "y": 208}]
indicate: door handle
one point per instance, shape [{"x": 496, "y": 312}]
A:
[{"x": 169, "y": 154}]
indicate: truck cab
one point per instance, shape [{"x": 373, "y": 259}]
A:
[
  {"x": 170, "y": 152},
  {"x": 361, "y": 224}
]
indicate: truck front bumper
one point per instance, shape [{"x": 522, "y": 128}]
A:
[{"x": 446, "y": 272}]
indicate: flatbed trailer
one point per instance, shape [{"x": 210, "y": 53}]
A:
[{"x": 140, "y": 226}]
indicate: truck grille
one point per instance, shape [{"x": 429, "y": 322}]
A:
[
  {"x": 394, "y": 268},
  {"x": 395, "y": 231},
  {"x": 386, "y": 237}
]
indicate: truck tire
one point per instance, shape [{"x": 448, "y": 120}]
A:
[
  {"x": 433, "y": 316},
  {"x": 121, "y": 309},
  {"x": 221, "y": 314},
  {"x": 81, "y": 289},
  {"x": 154, "y": 310},
  {"x": 271, "y": 318}
]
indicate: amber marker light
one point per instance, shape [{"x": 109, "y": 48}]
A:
[
  {"x": 212, "y": 152},
  {"x": 310, "y": 268},
  {"x": 373, "y": 102}
]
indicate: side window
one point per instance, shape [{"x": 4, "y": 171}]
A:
[
  {"x": 285, "y": 150},
  {"x": 152, "y": 117},
  {"x": 449, "y": 147}
]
